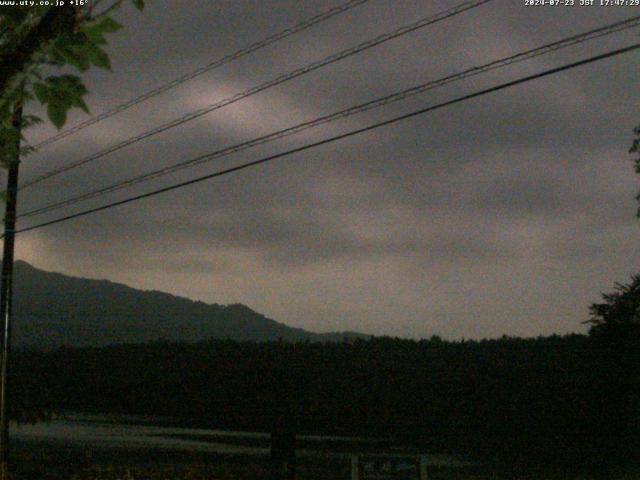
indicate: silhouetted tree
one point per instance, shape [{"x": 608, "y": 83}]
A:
[
  {"x": 615, "y": 333},
  {"x": 619, "y": 315},
  {"x": 511, "y": 401}
]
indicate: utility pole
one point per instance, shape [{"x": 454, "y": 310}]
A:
[{"x": 6, "y": 290}]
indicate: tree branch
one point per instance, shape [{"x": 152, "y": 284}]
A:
[{"x": 56, "y": 21}]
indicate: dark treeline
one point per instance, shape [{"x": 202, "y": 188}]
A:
[{"x": 553, "y": 402}]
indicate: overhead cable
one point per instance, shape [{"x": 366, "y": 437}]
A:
[
  {"x": 287, "y": 32},
  {"x": 263, "y": 86},
  {"x": 395, "y": 97},
  {"x": 335, "y": 138}
]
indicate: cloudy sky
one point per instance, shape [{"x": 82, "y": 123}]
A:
[{"x": 506, "y": 214}]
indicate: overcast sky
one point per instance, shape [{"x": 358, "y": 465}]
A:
[{"x": 506, "y": 214}]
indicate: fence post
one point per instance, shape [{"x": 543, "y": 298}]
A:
[
  {"x": 423, "y": 467},
  {"x": 354, "y": 467}
]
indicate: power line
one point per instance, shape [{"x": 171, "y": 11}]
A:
[
  {"x": 335, "y": 138},
  {"x": 263, "y": 86},
  {"x": 206, "y": 68},
  {"x": 254, "y": 90},
  {"x": 527, "y": 55}
]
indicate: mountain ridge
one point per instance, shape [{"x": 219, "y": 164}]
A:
[{"x": 52, "y": 310}]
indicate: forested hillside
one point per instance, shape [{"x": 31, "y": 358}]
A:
[{"x": 549, "y": 402}]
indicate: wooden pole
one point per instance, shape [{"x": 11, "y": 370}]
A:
[{"x": 6, "y": 291}]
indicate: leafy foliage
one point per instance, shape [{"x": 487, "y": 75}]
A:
[
  {"x": 60, "y": 94},
  {"x": 79, "y": 45},
  {"x": 620, "y": 311}
]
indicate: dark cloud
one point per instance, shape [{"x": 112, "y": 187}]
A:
[{"x": 505, "y": 214}]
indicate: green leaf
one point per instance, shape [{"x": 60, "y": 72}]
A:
[
  {"x": 72, "y": 82},
  {"x": 76, "y": 58},
  {"x": 99, "y": 58},
  {"x": 5, "y": 112},
  {"x": 66, "y": 86},
  {"x": 79, "y": 102},
  {"x": 57, "y": 112},
  {"x": 139, "y": 4},
  {"x": 94, "y": 35},
  {"x": 41, "y": 91},
  {"x": 107, "y": 25}
]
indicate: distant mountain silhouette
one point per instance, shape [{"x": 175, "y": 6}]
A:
[{"x": 53, "y": 310}]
